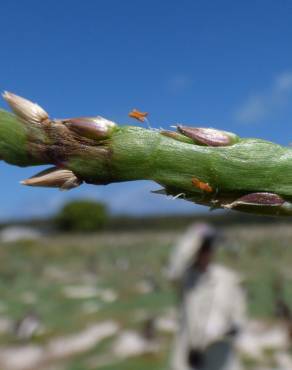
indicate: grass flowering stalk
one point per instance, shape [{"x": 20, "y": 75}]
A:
[{"x": 206, "y": 166}]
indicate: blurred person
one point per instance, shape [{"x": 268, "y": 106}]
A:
[{"x": 212, "y": 310}]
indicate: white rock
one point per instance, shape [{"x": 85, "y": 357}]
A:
[
  {"x": 144, "y": 287},
  {"x": 15, "y": 233},
  {"x": 21, "y": 358},
  {"x": 108, "y": 295},
  {"x": 284, "y": 360},
  {"x": 131, "y": 343},
  {"x": 5, "y": 325},
  {"x": 166, "y": 324},
  {"x": 80, "y": 292},
  {"x": 257, "y": 337},
  {"x": 28, "y": 326},
  {"x": 90, "y": 307},
  {"x": 82, "y": 341}
]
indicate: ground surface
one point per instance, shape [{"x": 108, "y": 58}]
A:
[{"x": 81, "y": 293}]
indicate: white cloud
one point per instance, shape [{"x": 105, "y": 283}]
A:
[
  {"x": 261, "y": 105},
  {"x": 284, "y": 82}
]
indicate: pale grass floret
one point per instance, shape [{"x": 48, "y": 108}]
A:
[
  {"x": 25, "y": 109},
  {"x": 54, "y": 178}
]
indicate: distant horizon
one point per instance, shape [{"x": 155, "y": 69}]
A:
[{"x": 180, "y": 211}]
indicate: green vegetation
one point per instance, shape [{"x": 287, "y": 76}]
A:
[{"x": 82, "y": 216}]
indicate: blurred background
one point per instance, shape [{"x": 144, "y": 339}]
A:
[{"x": 83, "y": 274}]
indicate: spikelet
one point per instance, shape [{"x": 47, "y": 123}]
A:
[
  {"x": 54, "y": 178},
  {"x": 91, "y": 127},
  {"x": 208, "y": 136},
  {"x": 25, "y": 109}
]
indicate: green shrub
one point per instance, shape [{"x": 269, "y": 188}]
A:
[{"x": 82, "y": 216}]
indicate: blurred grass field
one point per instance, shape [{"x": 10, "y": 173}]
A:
[{"x": 36, "y": 276}]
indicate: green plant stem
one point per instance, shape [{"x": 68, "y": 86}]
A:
[{"x": 172, "y": 160}]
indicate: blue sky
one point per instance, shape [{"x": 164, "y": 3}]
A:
[{"x": 225, "y": 64}]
